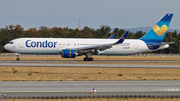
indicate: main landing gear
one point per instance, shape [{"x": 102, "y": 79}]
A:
[{"x": 88, "y": 59}]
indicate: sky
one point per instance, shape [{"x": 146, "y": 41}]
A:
[{"x": 92, "y": 13}]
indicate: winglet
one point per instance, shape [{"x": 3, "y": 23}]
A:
[
  {"x": 122, "y": 38},
  {"x": 111, "y": 37}
]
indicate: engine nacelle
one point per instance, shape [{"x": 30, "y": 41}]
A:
[{"x": 68, "y": 53}]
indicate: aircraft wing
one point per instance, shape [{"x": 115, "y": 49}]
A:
[
  {"x": 163, "y": 43},
  {"x": 111, "y": 37},
  {"x": 101, "y": 47}
]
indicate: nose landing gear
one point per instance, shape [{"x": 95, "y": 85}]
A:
[
  {"x": 17, "y": 54},
  {"x": 17, "y": 59}
]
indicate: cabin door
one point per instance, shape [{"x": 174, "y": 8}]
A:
[
  {"x": 21, "y": 44},
  {"x": 135, "y": 45}
]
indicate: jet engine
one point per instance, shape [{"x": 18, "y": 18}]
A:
[{"x": 68, "y": 53}]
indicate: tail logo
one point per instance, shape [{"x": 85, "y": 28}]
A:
[{"x": 160, "y": 30}]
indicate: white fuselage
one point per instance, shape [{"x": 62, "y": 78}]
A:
[{"x": 56, "y": 45}]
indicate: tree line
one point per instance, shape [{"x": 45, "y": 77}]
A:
[{"x": 17, "y": 31}]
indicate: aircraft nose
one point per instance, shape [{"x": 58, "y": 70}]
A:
[{"x": 6, "y": 46}]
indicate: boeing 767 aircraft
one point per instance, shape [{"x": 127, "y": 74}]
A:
[{"x": 72, "y": 47}]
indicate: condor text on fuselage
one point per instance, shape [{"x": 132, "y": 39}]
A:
[{"x": 40, "y": 44}]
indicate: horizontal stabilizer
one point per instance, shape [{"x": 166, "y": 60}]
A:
[{"x": 163, "y": 43}]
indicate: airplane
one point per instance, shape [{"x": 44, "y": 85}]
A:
[{"x": 73, "y": 47}]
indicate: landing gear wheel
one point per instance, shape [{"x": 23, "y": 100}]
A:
[
  {"x": 86, "y": 59},
  {"x": 90, "y": 59},
  {"x": 17, "y": 59}
]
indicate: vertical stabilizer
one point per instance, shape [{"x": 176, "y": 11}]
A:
[{"x": 157, "y": 32}]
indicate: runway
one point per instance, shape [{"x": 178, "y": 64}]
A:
[
  {"x": 65, "y": 95},
  {"x": 86, "y": 86},
  {"x": 83, "y": 88},
  {"x": 80, "y": 89},
  {"x": 86, "y": 65},
  {"x": 89, "y": 61}
]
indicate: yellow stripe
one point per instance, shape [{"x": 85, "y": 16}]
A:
[{"x": 70, "y": 53}]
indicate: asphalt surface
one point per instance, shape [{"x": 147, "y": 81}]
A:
[
  {"x": 55, "y": 95},
  {"x": 89, "y": 61},
  {"x": 86, "y": 86},
  {"x": 87, "y": 65},
  {"x": 83, "y": 88},
  {"x": 59, "y": 89}
]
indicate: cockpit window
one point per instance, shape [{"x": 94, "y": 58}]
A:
[{"x": 10, "y": 43}]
